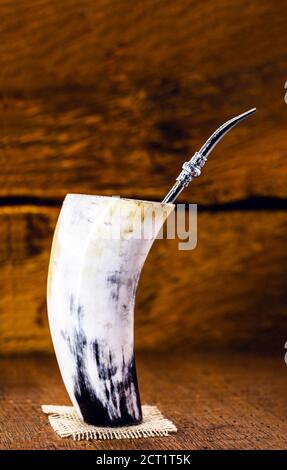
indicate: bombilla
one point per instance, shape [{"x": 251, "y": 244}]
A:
[{"x": 192, "y": 168}]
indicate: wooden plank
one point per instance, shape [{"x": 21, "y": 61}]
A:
[
  {"x": 25, "y": 239},
  {"x": 111, "y": 99},
  {"x": 217, "y": 402},
  {"x": 228, "y": 292}
]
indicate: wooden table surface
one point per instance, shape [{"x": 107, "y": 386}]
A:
[{"x": 217, "y": 402}]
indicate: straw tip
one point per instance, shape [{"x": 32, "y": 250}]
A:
[
  {"x": 246, "y": 114},
  {"x": 252, "y": 111}
]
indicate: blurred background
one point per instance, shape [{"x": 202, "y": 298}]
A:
[{"x": 104, "y": 97}]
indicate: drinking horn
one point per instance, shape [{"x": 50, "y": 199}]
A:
[{"x": 99, "y": 248}]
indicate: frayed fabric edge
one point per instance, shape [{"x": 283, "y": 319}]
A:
[{"x": 66, "y": 423}]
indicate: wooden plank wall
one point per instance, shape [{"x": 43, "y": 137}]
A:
[{"x": 110, "y": 98}]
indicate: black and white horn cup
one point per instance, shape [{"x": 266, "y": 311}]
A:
[{"x": 99, "y": 248}]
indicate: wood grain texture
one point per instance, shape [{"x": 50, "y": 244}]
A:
[
  {"x": 217, "y": 402},
  {"x": 25, "y": 239},
  {"x": 228, "y": 292},
  {"x": 111, "y": 98}
]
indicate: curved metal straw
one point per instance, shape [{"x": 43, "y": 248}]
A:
[{"x": 192, "y": 168}]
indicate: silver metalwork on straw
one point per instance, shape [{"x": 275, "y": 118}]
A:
[{"x": 192, "y": 168}]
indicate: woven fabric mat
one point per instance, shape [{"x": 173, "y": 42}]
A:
[{"x": 66, "y": 423}]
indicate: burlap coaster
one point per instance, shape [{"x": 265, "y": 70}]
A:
[{"x": 66, "y": 423}]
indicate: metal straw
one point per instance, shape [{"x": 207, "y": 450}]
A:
[{"x": 192, "y": 168}]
